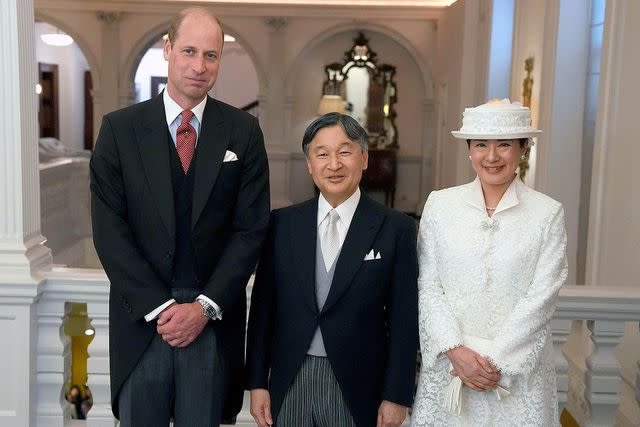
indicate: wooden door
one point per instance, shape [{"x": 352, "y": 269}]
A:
[{"x": 48, "y": 120}]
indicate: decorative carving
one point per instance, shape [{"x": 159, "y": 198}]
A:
[
  {"x": 277, "y": 22},
  {"x": 109, "y": 18}
]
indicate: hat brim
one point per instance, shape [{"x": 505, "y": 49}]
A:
[{"x": 515, "y": 135}]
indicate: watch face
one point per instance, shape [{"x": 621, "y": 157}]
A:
[{"x": 210, "y": 312}]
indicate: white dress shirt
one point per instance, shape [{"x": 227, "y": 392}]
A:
[
  {"x": 172, "y": 112},
  {"x": 345, "y": 211}
]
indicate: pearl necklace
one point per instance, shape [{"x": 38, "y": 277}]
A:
[{"x": 490, "y": 208}]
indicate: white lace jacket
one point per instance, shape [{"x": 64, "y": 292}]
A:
[{"x": 495, "y": 278}]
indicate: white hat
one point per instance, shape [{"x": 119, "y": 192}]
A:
[{"x": 497, "y": 120}]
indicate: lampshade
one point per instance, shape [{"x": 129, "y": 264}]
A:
[{"x": 331, "y": 103}]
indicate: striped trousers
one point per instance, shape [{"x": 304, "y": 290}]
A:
[{"x": 314, "y": 398}]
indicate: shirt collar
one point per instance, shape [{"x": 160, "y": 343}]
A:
[
  {"x": 345, "y": 210},
  {"x": 475, "y": 197},
  {"x": 172, "y": 110}
]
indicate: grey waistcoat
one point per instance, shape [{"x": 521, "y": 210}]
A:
[{"x": 323, "y": 285}]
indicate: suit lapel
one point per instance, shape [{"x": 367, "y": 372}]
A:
[
  {"x": 303, "y": 243},
  {"x": 153, "y": 140},
  {"x": 212, "y": 144},
  {"x": 366, "y": 221}
]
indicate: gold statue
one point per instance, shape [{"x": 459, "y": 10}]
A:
[{"x": 527, "y": 83}]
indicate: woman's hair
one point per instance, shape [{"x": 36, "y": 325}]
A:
[{"x": 523, "y": 141}]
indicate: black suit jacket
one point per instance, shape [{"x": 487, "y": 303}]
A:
[
  {"x": 134, "y": 226},
  {"x": 369, "y": 321}
]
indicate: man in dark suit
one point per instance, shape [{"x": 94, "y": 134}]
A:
[
  {"x": 332, "y": 335},
  {"x": 180, "y": 206}
]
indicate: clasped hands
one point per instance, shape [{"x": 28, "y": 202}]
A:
[
  {"x": 180, "y": 324},
  {"x": 476, "y": 371},
  {"x": 389, "y": 414}
]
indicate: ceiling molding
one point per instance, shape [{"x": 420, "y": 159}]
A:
[{"x": 338, "y": 8}]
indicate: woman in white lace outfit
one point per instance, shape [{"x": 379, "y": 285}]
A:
[{"x": 492, "y": 260}]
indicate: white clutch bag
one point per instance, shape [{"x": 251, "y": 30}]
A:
[{"x": 454, "y": 391}]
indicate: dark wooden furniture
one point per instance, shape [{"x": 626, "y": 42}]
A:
[{"x": 381, "y": 173}]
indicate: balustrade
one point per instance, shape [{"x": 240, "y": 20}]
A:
[{"x": 597, "y": 385}]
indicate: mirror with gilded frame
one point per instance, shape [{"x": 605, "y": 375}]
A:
[{"x": 369, "y": 92}]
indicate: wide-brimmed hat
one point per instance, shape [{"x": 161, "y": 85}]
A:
[{"x": 497, "y": 120}]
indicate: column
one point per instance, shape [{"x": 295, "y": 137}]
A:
[
  {"x": 274, "y": 109},
  {"x": 127, "y": 94},
  {"x": 109, "y": 86},
  {"x": 22, "y": 253},
  {"x": 426, "y": 172}
]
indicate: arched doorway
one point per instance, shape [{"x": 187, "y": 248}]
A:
[{"x": 65, "y": 103}]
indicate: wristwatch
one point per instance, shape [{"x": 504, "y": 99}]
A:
[{"x": 208, "y": 309}]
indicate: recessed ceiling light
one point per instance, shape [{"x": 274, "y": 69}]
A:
[{"x": 56, "y": 39}]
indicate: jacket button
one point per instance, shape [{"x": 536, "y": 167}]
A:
[{"x": 169, "y": 255}]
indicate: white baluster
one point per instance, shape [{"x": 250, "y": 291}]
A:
[
  {"x": 576, "y": 350},
  {"x": 98, "y": 367},
  {"x": 561, "y": 329},
  {"x": 603, "y": 371},
  {"x": 53, "y": 362},
  {"x": 638, "y": 384}
]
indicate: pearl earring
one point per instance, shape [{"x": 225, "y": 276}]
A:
[
  {"x": 469, "y": 157},
  {"x": 523, "y": 157}
]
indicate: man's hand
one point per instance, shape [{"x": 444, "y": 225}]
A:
[
  {"x": 475, "y": 371},
  {"x": 391, "y": 414},
  {"x": 180, "y": 324},
  {"x": 261, "y": 407}
]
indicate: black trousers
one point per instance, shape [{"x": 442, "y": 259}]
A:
[{"x": 183, "y": 384}]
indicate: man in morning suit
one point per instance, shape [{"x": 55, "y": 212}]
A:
[
  {"x": 180, "y": 206},
  {"x": 332, "y": 334}
]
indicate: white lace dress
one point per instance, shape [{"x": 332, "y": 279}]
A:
[{"x": 495, "y": 278}]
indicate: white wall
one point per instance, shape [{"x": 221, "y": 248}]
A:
[
  {"x": 589, "y": 127},
  {"x": 151, "y": 64},
  {"x": 72, "y": 65},
  {"x": 500, "y": 50},
  {"x": 462, "y": 67},
  {"x": 237, "y": 82}
]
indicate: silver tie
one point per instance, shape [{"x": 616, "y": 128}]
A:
[{"x": 331, "y": 240}]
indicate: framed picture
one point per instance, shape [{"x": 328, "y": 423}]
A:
[{"x": 157, "y": 85}]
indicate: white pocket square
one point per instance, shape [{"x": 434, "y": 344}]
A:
[
  {"x": 230, "y": 156},
  {"x": 372, "y": 255}
]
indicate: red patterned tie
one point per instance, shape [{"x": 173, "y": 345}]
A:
[{"x": 186, "y": 140}]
